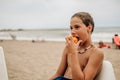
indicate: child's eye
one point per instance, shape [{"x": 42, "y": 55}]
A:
[
  {"x": 76, "y": 26},
  {"x": 71, "y": 28}
]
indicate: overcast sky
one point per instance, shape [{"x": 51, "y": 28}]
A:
[{"x": 15, "y": 14}]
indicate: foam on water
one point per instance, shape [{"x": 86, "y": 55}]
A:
[{"x": 99, "y": 34}]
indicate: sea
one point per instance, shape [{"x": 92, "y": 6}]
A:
[{"x": 104, "y": 34}]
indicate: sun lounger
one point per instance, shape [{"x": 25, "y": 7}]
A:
[
  {"x": 107, "y": 72},
  {"x": 3, "y": 69}
]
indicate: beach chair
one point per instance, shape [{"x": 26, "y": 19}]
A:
[
  {"x": 107, "y": 72},
  {"x": 3, "y": 69}
]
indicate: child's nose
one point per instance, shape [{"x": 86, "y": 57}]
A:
[{"x": 73, "y": 33}]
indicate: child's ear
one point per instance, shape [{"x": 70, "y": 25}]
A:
[{"x": 89, "y": 28}]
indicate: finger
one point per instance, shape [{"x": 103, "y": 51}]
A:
[
  {"x": 67, "y": 40},
  {"x": 71, "y": 39},
  {"x": 79, "y": 42}
]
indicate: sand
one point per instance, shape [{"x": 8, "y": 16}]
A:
[{"x": 26, "y": 60}]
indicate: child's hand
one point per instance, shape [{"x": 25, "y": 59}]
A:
[{"x": 72, "y": 44}]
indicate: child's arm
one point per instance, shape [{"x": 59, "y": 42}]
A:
[
  {"x": 62, "y": 67},
  {"x": 94, "y": 65},
  {"x": 77, "y": 73}
]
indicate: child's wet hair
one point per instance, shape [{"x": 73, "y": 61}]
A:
[{"x": 86, "y": 18}]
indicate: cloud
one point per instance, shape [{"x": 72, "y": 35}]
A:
[{"x": 56, "y": 13}]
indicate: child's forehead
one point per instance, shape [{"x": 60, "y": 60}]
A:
[{"x": 76, "y": 20}]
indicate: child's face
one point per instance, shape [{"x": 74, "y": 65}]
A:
[{"x": 79, "y": 30}]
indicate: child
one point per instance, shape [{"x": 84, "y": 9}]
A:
[{"x": 81, "y": 60}]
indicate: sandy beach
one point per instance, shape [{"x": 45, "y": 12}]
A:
[{"x": 26, "y": 60}]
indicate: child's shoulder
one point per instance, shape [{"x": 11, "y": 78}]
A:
[{"x": 98, "y": 52}]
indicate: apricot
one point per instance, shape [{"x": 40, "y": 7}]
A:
[{"x": 75, "y": 39}]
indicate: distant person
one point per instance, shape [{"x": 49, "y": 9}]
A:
[
  {"x": 80, "y": 60},
  {"x": 116, "y": 40},
  {"x": 38, "y": 40},
  {"x": 103, "y": 45}
]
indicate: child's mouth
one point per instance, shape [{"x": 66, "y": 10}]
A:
[{"x": 77, "y": 38}]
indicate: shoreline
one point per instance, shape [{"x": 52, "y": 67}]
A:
[{"x": 56, "y": 34}]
